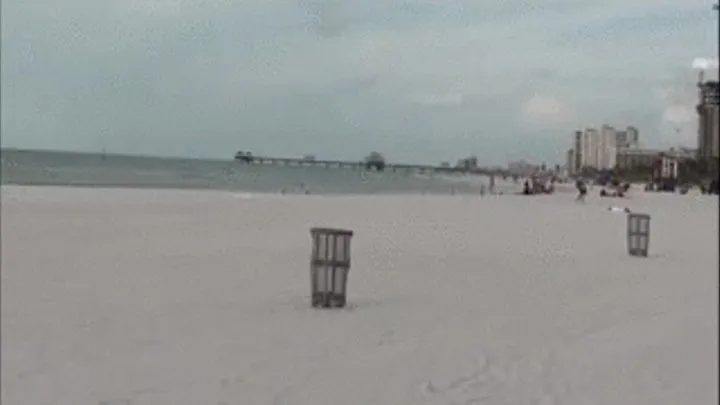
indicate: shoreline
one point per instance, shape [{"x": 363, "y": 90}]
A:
[
  {"x": 280, "y": 193},
  {"x": 248, "y": 194}
]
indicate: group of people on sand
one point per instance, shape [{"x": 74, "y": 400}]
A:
[
  {"x": 535, "y": 185},
  {"x": 617, "y": 189}
]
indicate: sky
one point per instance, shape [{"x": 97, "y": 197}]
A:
[{"x": 417, "y": 80}]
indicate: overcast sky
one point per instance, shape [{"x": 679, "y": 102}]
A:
[{"x": 419, "y": 80}]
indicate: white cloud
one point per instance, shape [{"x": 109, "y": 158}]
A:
[
  {"x": 547, "y": 111},
  {"x": 679, "y": 115},
  {"x": 705, "y": 63}
]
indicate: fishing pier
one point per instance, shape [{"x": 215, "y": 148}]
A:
[{"x": 358, "y": 165}]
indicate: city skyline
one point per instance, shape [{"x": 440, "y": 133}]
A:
[{"x": 418, "y": 80}]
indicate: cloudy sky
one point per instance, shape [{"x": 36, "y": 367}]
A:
[{"x": 419, "y": 80}]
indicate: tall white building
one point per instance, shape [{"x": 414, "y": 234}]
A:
[
  {"x": 589, "y": 148},
  {"x": 596, "y": 148}
]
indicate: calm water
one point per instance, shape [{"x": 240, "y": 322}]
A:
[{"x": 75, "y": 169}]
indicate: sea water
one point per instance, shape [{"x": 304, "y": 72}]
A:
[{"x": 23, "y": 167}]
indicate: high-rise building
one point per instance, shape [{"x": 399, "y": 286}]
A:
[
  {"x": 596, "y": 149},
  {"x": 708, "y": 120},
  {"x": 607, "y": 147},
  {"x": 633, "y": 137},
  {"x": 570, "y": 161},
  {"x": 589, "y": 147},
  {"x": 577, "y": 152},
  {"x": 621, "y": 138},
  {"x": 628, "y": 138}
]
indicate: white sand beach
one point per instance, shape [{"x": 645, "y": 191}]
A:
[{"x": 144, "y": 297}]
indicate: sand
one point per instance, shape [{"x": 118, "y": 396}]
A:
[{"x": 139, "y": 297}]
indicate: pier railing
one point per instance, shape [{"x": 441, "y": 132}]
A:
[{"x": 392, "y": 167}]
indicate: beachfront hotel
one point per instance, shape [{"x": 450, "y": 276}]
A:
[
  {"x": 633, "y": 158},
  {"x": 598, "y": 149}
]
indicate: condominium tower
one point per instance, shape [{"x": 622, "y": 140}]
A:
[
  {"x": 708, "y": 144},
  {"x": 598, "y": 149}
]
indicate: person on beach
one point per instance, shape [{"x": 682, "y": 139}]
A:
[
  {"x": 582, "y": 190},
  {"x": 526, "y": 187}
]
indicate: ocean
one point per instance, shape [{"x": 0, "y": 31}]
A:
[{"x": 25, "y": 167}]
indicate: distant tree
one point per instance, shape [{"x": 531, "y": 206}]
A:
[{"x": 376, "y": 161}]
